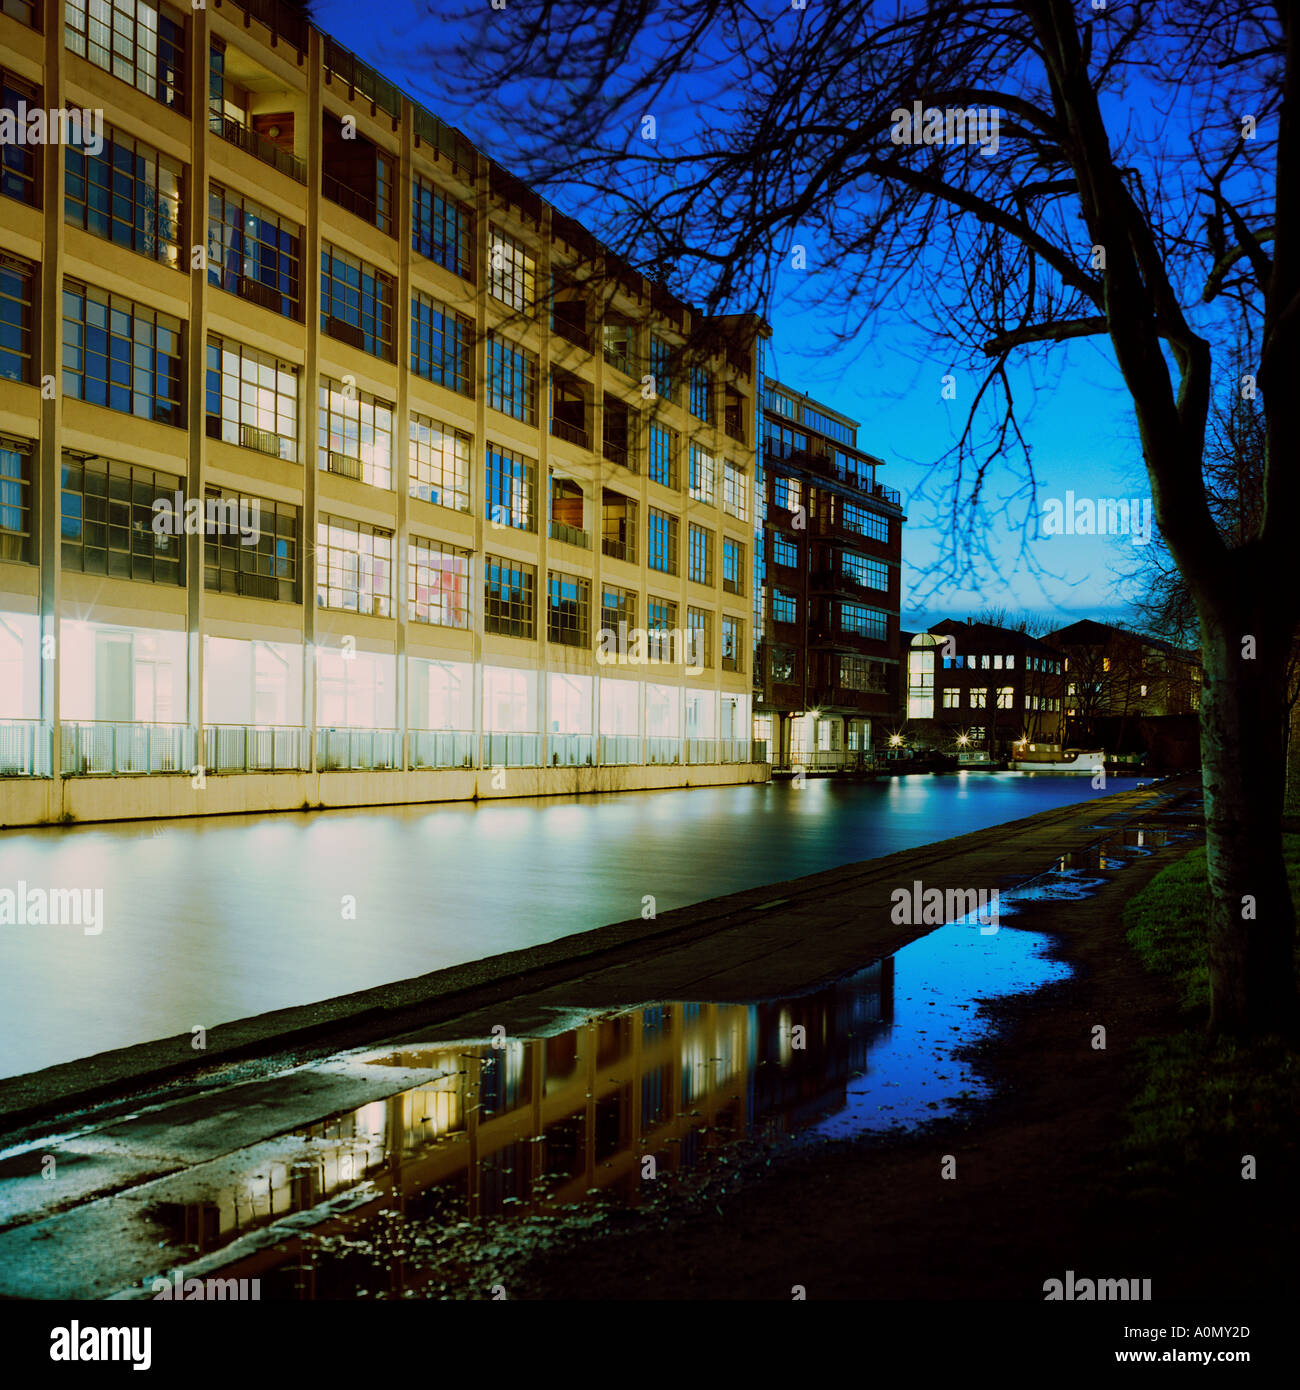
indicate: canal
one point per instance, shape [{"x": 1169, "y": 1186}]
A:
[{"x": 207, "y": 921}]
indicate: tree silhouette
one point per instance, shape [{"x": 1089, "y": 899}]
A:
[{"x": 1142, "y": 188}]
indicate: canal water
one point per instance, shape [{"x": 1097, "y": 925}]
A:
[{"x": 208, "y": 921}]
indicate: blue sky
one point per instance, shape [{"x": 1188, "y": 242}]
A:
[{"x": 1074, "y": 411}]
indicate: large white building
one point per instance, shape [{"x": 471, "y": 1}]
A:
[{"x": 446, "y": 439}]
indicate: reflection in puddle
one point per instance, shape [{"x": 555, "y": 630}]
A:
[
  {"x": 1122, "y": 847},
  {"x": 412, "y": 1192}
]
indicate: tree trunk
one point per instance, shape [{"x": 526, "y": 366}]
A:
[{"x": 1251, "y": 917}]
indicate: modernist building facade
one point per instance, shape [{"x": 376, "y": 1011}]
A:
[
  {"x": 431, "y": 439},
  {"x": 828, "y": 550},
  {"x": 982, "y": 691}
]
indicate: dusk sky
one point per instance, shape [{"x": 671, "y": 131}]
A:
[{"x": 1073, "y": 407}]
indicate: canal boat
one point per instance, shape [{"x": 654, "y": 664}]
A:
[{"x": 1090, "y": 761}]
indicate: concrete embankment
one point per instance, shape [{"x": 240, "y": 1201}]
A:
[{"x": 775, "y": 939}]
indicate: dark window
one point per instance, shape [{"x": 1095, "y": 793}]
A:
[
  {"x": 17, "y": 318},
  {"x": 19, "y": 164},
  {"x": 509, "y": 598},
  {"x": 568, "y": 609},
  {"x": 122, "y": 354},
  {"x": 264, "y": 566},
  {"x": 107, "y": 515}
]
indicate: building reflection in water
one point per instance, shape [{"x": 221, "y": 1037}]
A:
[{"x": 542, "y": 1123}]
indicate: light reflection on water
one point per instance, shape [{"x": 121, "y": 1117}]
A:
[{"x": 207, "y": 921}]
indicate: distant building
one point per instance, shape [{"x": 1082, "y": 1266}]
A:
[
  {"x": 827, "y": 555},
  {"x": 1111, "y": 672},
  {"x": 973, "y": 687}
]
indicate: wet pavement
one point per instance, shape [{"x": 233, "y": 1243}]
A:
[
  {"x": 453, "y": 1157},
  {"x": 247, "y": 914}
]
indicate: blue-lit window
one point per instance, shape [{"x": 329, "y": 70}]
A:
[
  {"x": 356, "y": 302},
  {"x": 129, "y": 193},
  {"x": 253, "y": 253},
  {"x": 18, "y": 163},
  {"x": 441, "y": 345},
  {"x": 17, "y": 314},
  {"x": 511, "y": 489},
  {"x": 785, "y": 607},
  {"x": 864, "y": 622},
  {"x": 784, "y": 552},
  {"x": 663, "y": 456},
  {"x": 512, "y": 380},
  {"x": 441, "y": 229},
  {"x": 16, "y": 501},
  {"x": 122, "y": 354},
  {"x": 143, "y": 43},
  {"x": 702, "y": 394}
]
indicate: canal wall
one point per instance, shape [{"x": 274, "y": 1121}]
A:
[{"x": 159, "y": 796}]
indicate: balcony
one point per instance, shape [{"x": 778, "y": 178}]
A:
[
  {"x": 441, "y": 748},
  {"x": 350, "y": 333},
  {"x": 234, "y": 132},
  {"x": 255, "y": 748},
  {"x": 267, "y": 296},
  {"x": 571, "y": 434},
  {"x": 617, "y": 453},
  {"x": 661, "y": 751},
  {"x": 24, "y": 748},
  {"x": 354, "y": 201},
  {"x": 571, "y": 750},
  {"x": 353, "y": 750},
  {"x": 620, "y": 750},
  {"x": 344, "y": 466},
  {"x": 512, "y": 750},
  {"x": 570, "y": 535},
  {"x": 100, "y": 748}
]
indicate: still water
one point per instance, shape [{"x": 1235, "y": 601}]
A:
[{"x": 207, "y": 921}]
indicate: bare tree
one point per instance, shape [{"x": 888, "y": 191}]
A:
[{"x": 1142, "y": 188}]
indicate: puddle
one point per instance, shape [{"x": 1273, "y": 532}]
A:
[
  {"x": 382, "y": 1200},
  {"x": 496, "y": 1150}
]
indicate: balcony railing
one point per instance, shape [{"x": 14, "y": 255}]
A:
[
  {"x": 251, "y": 142},
  {"x": 99, "y": 748},
  {"x": 701, "y": 750},
  {"x": 255, "y": 748},
  {"x": 344, "y": 465},
  {"x": 618, "y": 453},
  {"x": 256, "y": 292},
  {"x": 24, "y": 748},
  {"x": 661, "y": 750},
  {"x": 281, "y": 19},
  {"x": 571, "y": 434},
  {"x": 359, "y": 204},
  {"x": 353, "y": 750},
  {"x": 621, "y": 359},
  {"x": 441, "y": 748},
  {"x": 620, "y": 750},
  {"x": 512, "y": 750},
  {"x": 734, "y": 750},
  {"x": 571, "y": 750},
  {"x": 619, "y": 550},
  {"x": 570, "y": 535},
  {"x": 571, "y": 332}
]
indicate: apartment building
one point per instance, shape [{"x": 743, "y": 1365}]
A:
[
  {"x": 331, "y": 456},
  {"x": 1115, "y": 673},
  {"x": 828, "y": 548},
  {"x": 982, "y": 691}
]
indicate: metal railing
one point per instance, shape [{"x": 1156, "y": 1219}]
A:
[
  {"x": 571, "y": 332},
  {"x": 358, "y": 750},
  {"x": 571, "y": 434},
  {"x": 570, "y": 535},
  {"x": 617, "y": 453},
  {"x": 431, "y": 748},
  {"x": 734, "y": 750},
  {"x": 357, "y": 203},
  {"x": 252, "y": 142},
  {"x": 660, "y": 750},
  {"x": 99, "y": 748},
  {"x": 619, "y": 750},
  {"x": 255, "y": 748},
  {"x": 24, "y": 748},
  {"x": 512, "y": 750},
  {"x": 571, "y": 750},
  {"x": 701, "y": 750},
  {"x": 620, "y": 550}
]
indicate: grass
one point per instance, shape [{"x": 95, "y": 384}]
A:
[{"x": 1203, "y": 1101}]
